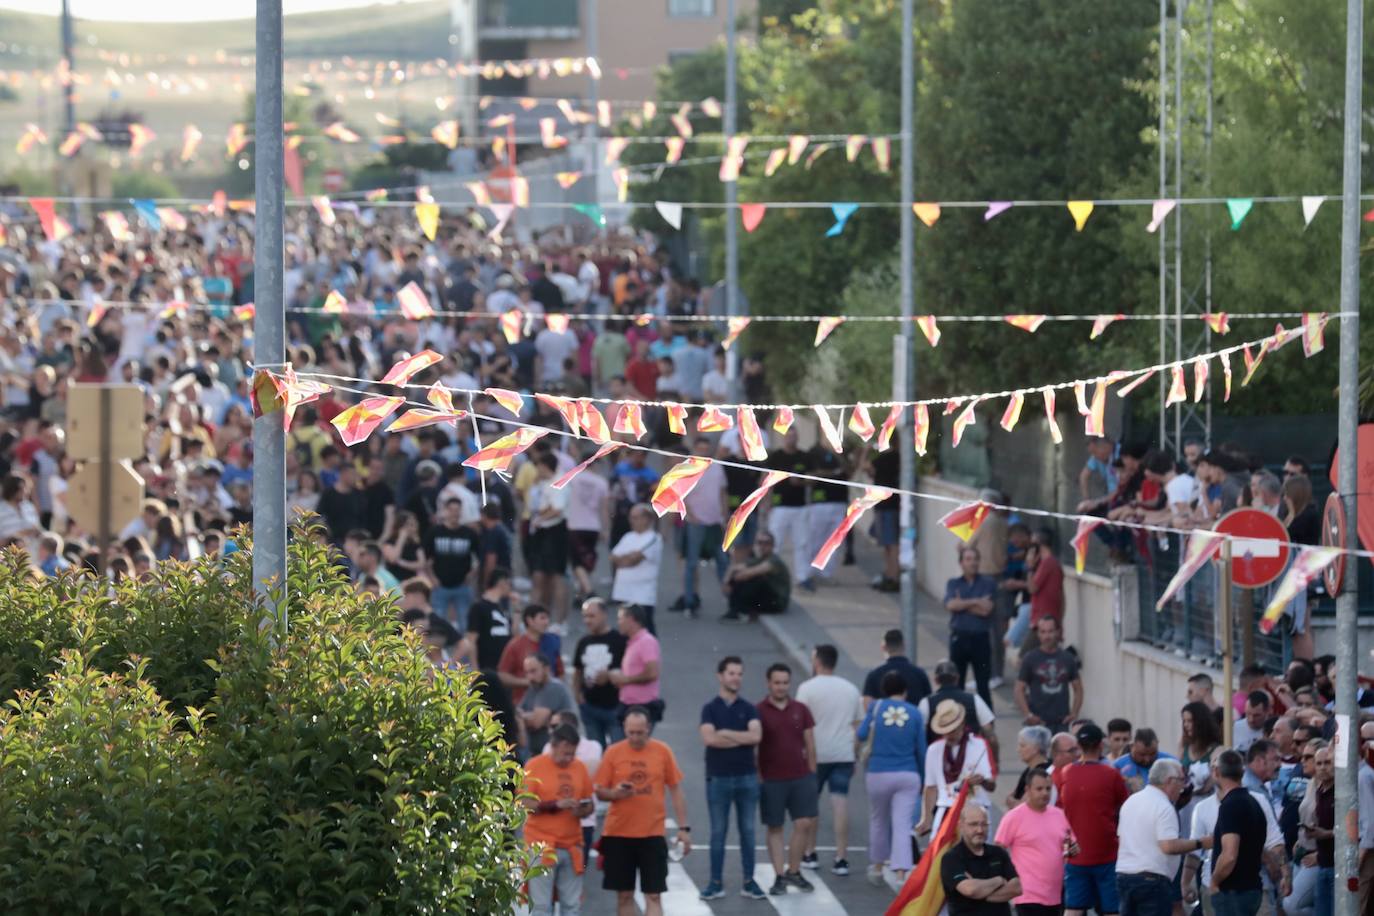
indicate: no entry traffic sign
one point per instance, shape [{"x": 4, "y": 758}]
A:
[{"x": 1259, "y": 549}]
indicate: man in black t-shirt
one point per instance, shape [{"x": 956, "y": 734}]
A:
[
  {"x": 917, "y": 683},
  {"x": 451, "y": 547},
  {"x": 343, "y": 506},
  {"x": 1049, "y": 689},
  {"x": 489, "y": 628},
  {"x": 597, "y": 654},
  {"x": 787, "y": 512},
  {"x": 978, "y": 877},
  {"x": 1237, "y": 842}
]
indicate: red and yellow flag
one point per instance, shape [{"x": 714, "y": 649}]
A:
[
  {"x": 1028, "y": 323},
  {"x": 677, "y": 419},
  {"x": 1055, "y": 434},
  {"x": 741, "y": 515},
  {"x": 894, "y": 416},
  {"x": 592, "y": 422},
  {"x": 1202, "y": 546},
  {"x": 513, "y": 401},
  {"x": 499, "y": 455},
  {"x": 929, "y": 328},
  {"x": 922, "y": 428},
  {"x": 556, "y": 322},
  {"x": 1226, "y": 374},
  {"x": 1135, "y": 383},
  {"x": 714, "y": 420},
  {"x": 629, "y": 421},
  {"x": 358, "y": 422},
  {"x": 829, "y": 431},
  {"x": 1081, "y": 540},
  {"x": 1178, "y": 389},
  {"x": 1200, "y": 372},
  {"x": 411, "y": 366},
  {"x": 324, "y": 209},
  {"x": 1095, "y": 420},
  {"x": 1308, "y": 565},
  {"x": 1313, "y": 324},
  {"x": 1013, "y": 412},
  {"x": 860, "y": 423},
  {"x": 1100, "y": 324},
  {"x": 1219, "y": 322},
  {"x": 413, "y": 302},
  {"x": 246, "y": 312},
  {"x": 872, "y": 496},
  {"x": 602, "y": 452},
  {"x": 334, "y": 303},
  {"x": 566, "y": 407},
  {"x": 825, "y": 326},
  {"x": 510, "y": 325},
  {"x": 967, "y": 417},
  {"x": 750, "y": 436},
  {"x": 674, "y": 486},
  {"x": 923, "y": 894},
  {"x": 737, "y": 326},
  {"x": 418, "y": 417},
  {"x": 782, "y": 420},
  {"x": 965, "y": 520}
]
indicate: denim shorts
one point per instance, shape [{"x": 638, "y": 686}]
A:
[
  {"x": 834, "y": 775},
  {"x": 1091, "y": 887},
  {"x": 887, "y": 526}
]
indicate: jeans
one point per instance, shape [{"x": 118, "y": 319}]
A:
[
  {"x": 569, "y": 885},
  {"x": 601, "y": 724},
  {"x": 457, "y": 599},
  {"x": 1303, "y": 898},
  {"x": 971, "y": 648},
  {"x": 1144, "y": 894},
  {"x": 892, "y": 800},
  {"x": 1324, "y": 896},
  {"x": 743, "y": 793},
  {"x": 1236, "y": 903},
  {"x": 694, "y": 537}
]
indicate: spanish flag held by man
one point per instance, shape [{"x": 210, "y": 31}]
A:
[{"x": 923, "y": 894}]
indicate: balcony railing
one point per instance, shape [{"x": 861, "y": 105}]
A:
[{"x": 531, "y": 18}]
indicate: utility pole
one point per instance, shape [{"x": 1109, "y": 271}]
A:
[
  {"x": 907, "y": 365},
  {"x": 594, "y": 126},
  {"x": 69, "y": 83},
  {"x": 269, "y": 321},
  {"x": 732, "y": 301},
  {"x": 1347, "y": 423}
]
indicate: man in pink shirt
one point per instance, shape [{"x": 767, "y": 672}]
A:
[
  {"x": 637, "y": 677},
  {"x": 1037, "y": 836}
]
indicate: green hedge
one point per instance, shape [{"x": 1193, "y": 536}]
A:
[{"x": 161, "y": 754}]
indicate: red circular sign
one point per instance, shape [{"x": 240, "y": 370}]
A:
[
  {"x": 1259, "y": 546},
  {"x": 333, "y": 180},
  {"x": 1333, "y": 535}
]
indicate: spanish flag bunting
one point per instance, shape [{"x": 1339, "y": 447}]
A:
[
  {"x": 710, "y": 107},
  {"x": 548, "y": 134},
  {"x": 98, "y": 310},
  {"x": 499, "y": 455},
  {"x": 815, "y": 154},
  {"x": 246, "y": 312},
  {"x": 872, "y": 496},
  {"x": 324, "y": 209},
  {"x": 419, "y": 417},
  {"x": 750, "y": 215},
  {"x": 1080, "y": 210},
  {"x": 675, "y": 147},
  {"x": 513, "y": 401},
  {"x": 894, "y": 416},
  {"x": 117, "y": 224},
  {"x": 480, "y": 195},
  {"x": 927, "y": 213},
  {"x": 139, "y": 137},
  {"x": 825, "y": 326},
  {"x": 860, "y": 423},
  {"x": 644, "y": 319},
  {"x": 1095, "y": 421},
  {"x": 1219, "y": 322},
  {"x": 782, "y": 420},
  {"x": 32, "y": 134},
  {"x": 566, "y": 407},
  {"x": 337, "y": 131},
  {"x": 1082, "y": 537},
  {"x": 592, "y": 422},
  {"x": 602, "y": 452},
  {"x": 511, "y": 320},
  {"x": 603, "y": 113},
  {"x": 681, "y": 125},
  {"x": 674, "y": 486},
  {"x": 684, "y": 109},
  {"x": 796, "y": 145},
  {"x": 411, "y": 366},
  {"x": 734, "y": 158},
  {"x": 1202, "y": 546},
  {"x": 1055, "y": 434},
  {"x": 950, "y": 406},
  {"x": 750, "y": 436},
  {"x": 427, "y": 215},
  {"x": 714, "y": 420},
  {"x": 677, "y": 419},
  {"x": 741, "y": 515},
  {"x": 1313, "y": 324},
  {"x": 829, "y": 431},
  {"x": 334, "y": 303},
  {"x": 736, "y": 328},
  {"x": 1200, "y": 373},
  {"x": 557, "y": 322},
  {"x": 71, "y": 143},
  {"x": 965, "y": 520},
  {"x": 922, "y": 430},
  {"x": 1100, "y": 324},
  {"x": 629, "y": 421},
  {"x": 567, "y": 179},
  {"x": 1178, "y": 391},
  {"x": 175, "y": 307},
  {"x": 1080, "y": 397},
  {"x": 89, "y": 131},
  {"x": 774, "y": 161},
  {"x": 967, "y": 417},
  {"x": 650, "y": 109},
  {"x": 190, "y": 139},
  {"x": 1139, "y": 380},
  {"x": 357, "y": 422},
  {"x": 923, "y": 894},
  {"x": 929, "y": 328},
  {"x": 1252, "y": 362},
  {"x": 882, "y": 152},
  {"x": 853, "y": 145},
  {"x": 1308, "y": 564},
  {"x": 1225, "y": 374},
  {"x": 54, "y": 227},
  {"x": 235, "y": 140},
  {"x": 413, "y": 302},
  {"x": 440, "y": 397},
  {"x": 445, "y": 133},
  {"x": 614, "y": 147},
  {"x": 1013, "y": 412},
  {"x": 172, "y": 219},
  {"x": 1028, "y": 323}
]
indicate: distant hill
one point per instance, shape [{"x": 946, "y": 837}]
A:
[{"x": 410, "y": 31}]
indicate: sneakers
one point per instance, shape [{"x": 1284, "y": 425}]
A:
[
  {"x": 731, "y": 617},
  {"x": 713, "y": 892},
  {"x": 678, "y": 605},
  {"x": 796, "y": 880},
  {"x": 995, "y": 682},
  {"x": 841, "y": 867},
  {"x": 779, "y": 886},
  {"x": 807, "y": 585},
  {"x": 751, "y": 890},
  {"x": 811, "y": 861},
  {"x": 875, "y": 875},
  {"x": 883, "y": 584}
]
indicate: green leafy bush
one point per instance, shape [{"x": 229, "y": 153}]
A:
[{"x": 161, "y": 753}]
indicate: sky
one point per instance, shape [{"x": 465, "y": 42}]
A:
[{"x": 174, "y": 11}]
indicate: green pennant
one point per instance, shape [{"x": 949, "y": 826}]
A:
[
  {"x": 1239, "y": 207},
  {"x": 592, "y": 212}
]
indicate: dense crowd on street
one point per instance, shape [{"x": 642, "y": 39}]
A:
[{"x": 553, "y": 595}]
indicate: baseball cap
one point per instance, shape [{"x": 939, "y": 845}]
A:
[{"x": 1090, "y": 735}]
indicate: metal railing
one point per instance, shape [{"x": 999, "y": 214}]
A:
[{"x": 529, "y": 14}]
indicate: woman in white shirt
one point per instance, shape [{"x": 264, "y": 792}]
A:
[{"x": 958, "y": 757}]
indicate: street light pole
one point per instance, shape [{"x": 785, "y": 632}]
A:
[
  {"x": 907, "y": 365},
  {"x": 732, "y": 303}
]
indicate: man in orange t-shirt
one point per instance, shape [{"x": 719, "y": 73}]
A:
[
  {"x": 562, "y": 791},
  {"x": 632, "y": 776}
]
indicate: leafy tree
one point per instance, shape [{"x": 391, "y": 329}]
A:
[
  {"x": 143, "y": 184},
  {"x": 314, "y": 150}
]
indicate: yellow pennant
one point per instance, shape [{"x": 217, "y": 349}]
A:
[{"x": 1080, "y": 210}]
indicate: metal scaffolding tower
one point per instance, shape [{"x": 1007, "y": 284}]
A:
[{"x": 1185, "y": 169}]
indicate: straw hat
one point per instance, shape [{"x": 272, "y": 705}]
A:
[{"x": 949, "y": 715}]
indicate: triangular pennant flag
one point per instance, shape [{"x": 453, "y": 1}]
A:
[
  {"x": 1028, "y": 323},
  {"x": 825, "y": 326},
  {"x": 671, "y": 213},
  {"x": 860, "y": 423},
  {"x": 782, "y": 420},
  {"x": 677, "y": 419},
  {"x": 1202, "y": 546},
  {"x": 1081, "y": 539},
  {"x": 929, "y": 328},
  {"x": 1239, "y": 208},
  {"x": 1140, "y": 379},
  {"x": 796, "y": 145},
  {"x": 592, "y": 422},
  {"x": 741, "y": 515},
  {"x": 420, "y": 417},
  {"x": 1158, "y": 212},
  {"x": 567, "y": 179},
  {"x": 98, "y": 311},
  {"x": 1095, "y": 420},
  {"x": 511, "y": 322},
  {"x": 408, "y": 368},
  {"x": 1251, "y": 362},
  {"x": 480, "y": 195},
  {"x": 629, "y": 421},
  {"x": 334, "y": 303},
  {"x": 190, "y": 139},
  {"x": 440, "y": 397},
  {"x": 842, "y": 213},
  {"x": 147, "y": 211},
  {"x": 995, "y": 209},
  {"x": 557, "y": 322},
  {"x": 922, "y": 428},
  {"x": 1201, "y": 370},
  {"x": 116, "y": 224},
  {"x": 1055, "y": 434},
  {"x": 1313, "y": 324},
  {"x": 882, "y": 152},
  {"x": 736, "y": 328},
  {"x": 829, "y": 431},
  {"x": 427, "y": 215},
  {"x": 733, "y": 159},
  {"x": 964, "y": 521},
  {"x": 246, "y": 312},
  {"x": 169, "y": 217},
  {"x": 48, "y": 218},
  {"x": 1100, "y": 324},
  {"x": 511, "y": 400},
  {"x": 967, "y": 417},
  {"x": 503, "y": 213},
  {"x": 714, "y": 420},
  {"x": 1310, "y": 206},
  {"x": 357, "y": 422},
  {"x": 852, "y": 145},
  {"x": 1219, "y": 322},
  {"x": 674, "y": 486},
  {"x": 927, "y": 213},
  {"x": 774, "y": 161},
  {"x": 675, "y": 147},
  {"x": 614, "y": 147},
  {"x": 1080, "y": 210},
  {"x": 566, "y": 407},
  {"x": 681, "y": 125},
  {"x": 1226, "y": 374},
  {"x": 1013, "y": 411},
  {"x": 1308, "y": 564},
  {"x": 499, "y": 455},
  {"x": 413, "y": 302},
  {"x": 321, "y": 204},
  {"x": 872, "y": 496},
  {"x": 815, "y": 154},
  {"x": 894, "y": 416},
  {"x": 1178, "y": 391},
  {"x": 751, "y": 215},
  {"x": 603, "y": 113},
  {"x": 602, "y": 452},
  {"x": 950, "y": 406},
  {"x": 750, "y": 436},
  {"x": 592, "y": 212}
]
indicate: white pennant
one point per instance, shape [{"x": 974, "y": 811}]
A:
[
  {"x": 1158, "y": 212},
  {"x": 502, "y": 212},
  {"x": 1310, "y": 205},
  {"x": 671, "y": 213}
]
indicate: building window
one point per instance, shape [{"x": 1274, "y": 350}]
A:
[{"x": 692, "y": 8}]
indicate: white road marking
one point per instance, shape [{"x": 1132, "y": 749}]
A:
[
  {"x": 822, "y": 902},
  {"x": 683, "y": 896}
]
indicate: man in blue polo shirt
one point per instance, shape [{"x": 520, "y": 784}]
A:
[
  {"x": 969, "y": 600},
  {"x": 730, "y": 729}
]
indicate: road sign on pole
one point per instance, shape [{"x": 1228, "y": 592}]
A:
[
  {"x": 1259, "y": 547},
  {"x": 125, "y": 495},
  {"x": 84, "y": 410}
]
